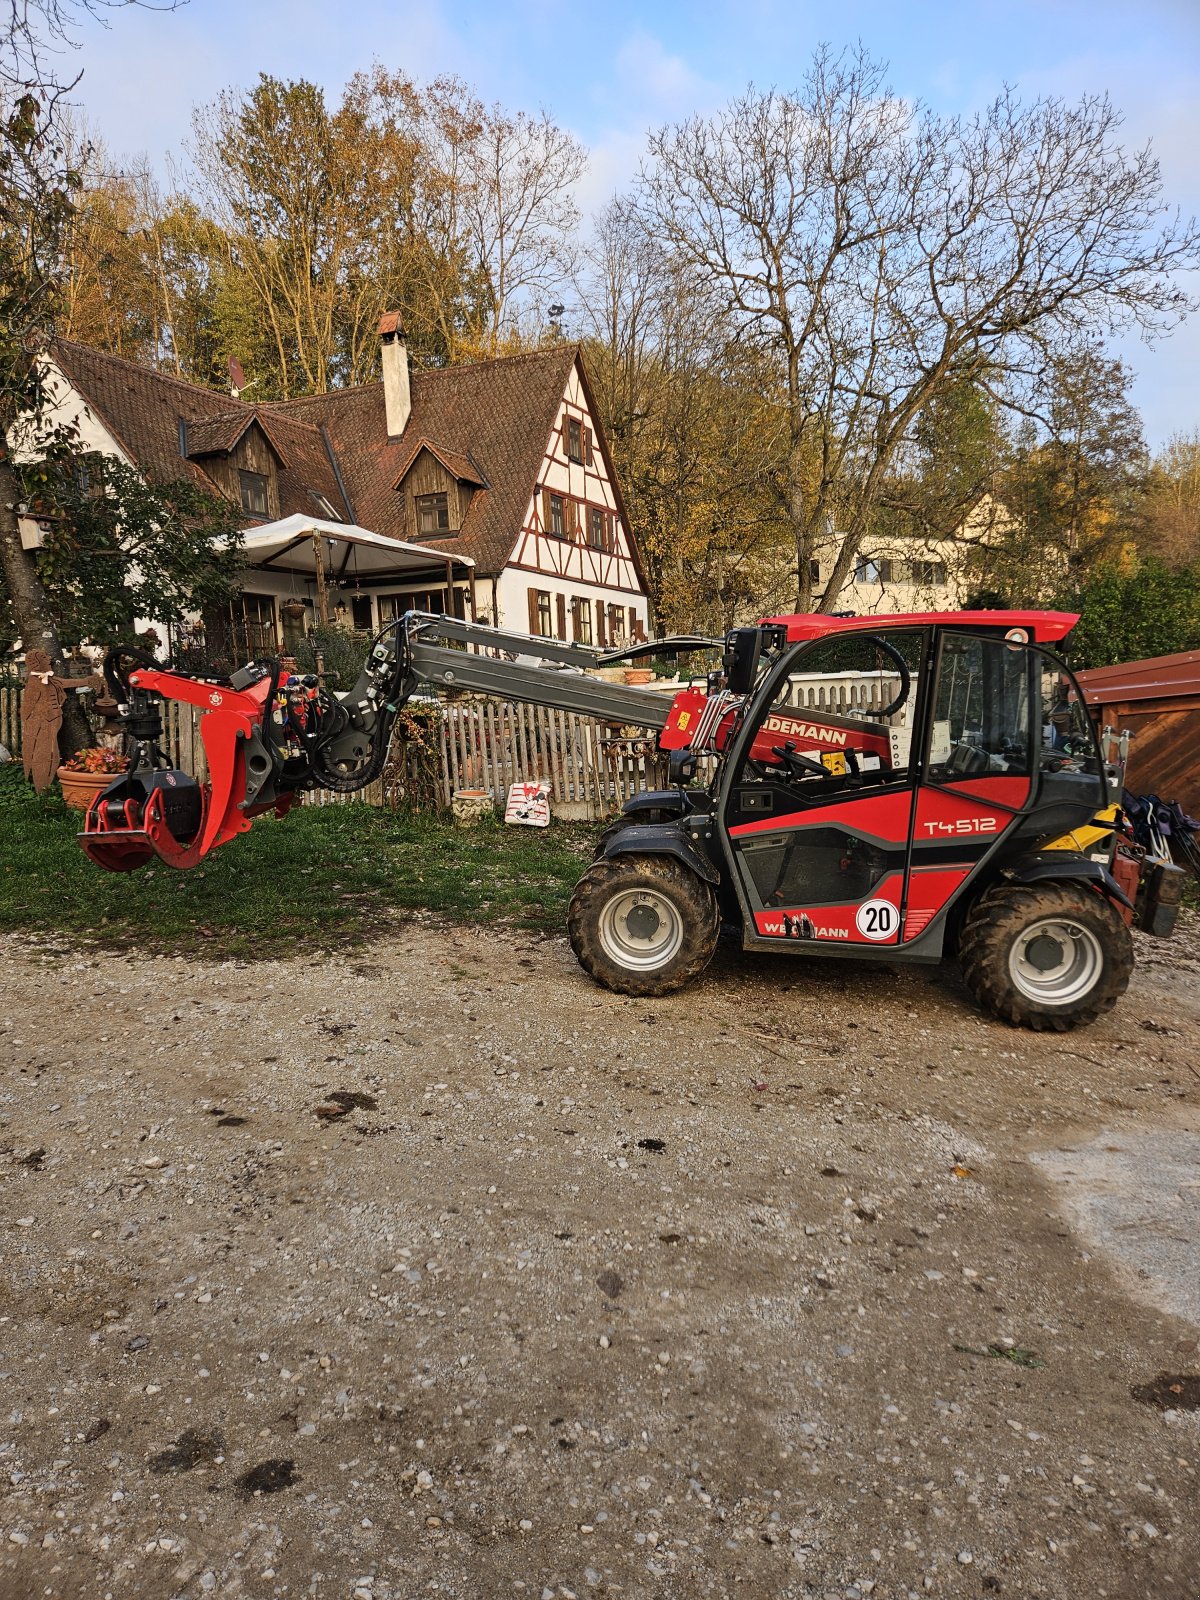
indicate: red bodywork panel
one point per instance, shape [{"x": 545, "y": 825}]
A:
[
  {"x": 230, "y": 716},
  {"x": 686, "y": 710},
  {"x": 1038, "y": 627},
  {"x": 974, "y": 817}
]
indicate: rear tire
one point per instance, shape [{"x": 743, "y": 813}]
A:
[
  {"x": 1049, "y": 956},
  {"x": 642, "y": 925}
]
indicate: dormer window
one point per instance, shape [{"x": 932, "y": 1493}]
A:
[
  {"x": 433, "y": 513},
  {"x": 254, "y": 493}
]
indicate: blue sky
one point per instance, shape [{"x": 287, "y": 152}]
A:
[{"x": 609, "y": 72}]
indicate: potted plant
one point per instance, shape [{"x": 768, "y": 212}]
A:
[{"x": 86, "y": 773}]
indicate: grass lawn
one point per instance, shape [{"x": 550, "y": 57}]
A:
[{"x": 324, "y": 876}]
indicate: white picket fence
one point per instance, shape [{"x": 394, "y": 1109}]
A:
[{"x": 591, "y": 767}]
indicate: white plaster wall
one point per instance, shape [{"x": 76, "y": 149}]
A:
[
  {"x": 513, "y": 588},
  {"x": 65, "y": 407}
]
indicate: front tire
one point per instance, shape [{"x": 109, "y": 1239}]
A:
[
  {"x": 642, "y": 925},
  {"x": 1049, "y": 956}
]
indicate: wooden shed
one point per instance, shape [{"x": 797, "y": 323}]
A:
[{"x": 1158, "y": 701}]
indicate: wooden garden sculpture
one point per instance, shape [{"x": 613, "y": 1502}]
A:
[{"x": 42, "y": 715}]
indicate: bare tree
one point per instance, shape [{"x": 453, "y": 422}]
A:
[
  {"x": 881, "y": 253},
  {"x": 697, "y": 448},
  {"x": 499, "y": 185}
]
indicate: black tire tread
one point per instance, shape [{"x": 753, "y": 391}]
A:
[
  {"x": 698, "y": 903},
  {"x": 996, "y": 919}
]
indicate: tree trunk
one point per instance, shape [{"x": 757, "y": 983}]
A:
[
  {"x": 801, "y": 528},
  {"x": 31, "y": 609}
]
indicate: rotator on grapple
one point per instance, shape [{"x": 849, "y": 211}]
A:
[{"x": 940, "y": 802}]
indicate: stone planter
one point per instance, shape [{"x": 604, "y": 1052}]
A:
[
  {"x": 638, "y": 675},
  {"x": 79, "y": 789},
  {"x": 469, "y": 805}
]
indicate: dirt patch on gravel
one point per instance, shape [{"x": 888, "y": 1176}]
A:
[{"x": 754, "y": 1290}]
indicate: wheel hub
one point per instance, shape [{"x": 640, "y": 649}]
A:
[
  {"x": 643, "y": 921},
  {"x": 1044, "y": 953}
]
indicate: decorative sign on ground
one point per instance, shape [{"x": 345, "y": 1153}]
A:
[{"x": 528, "y": 804}]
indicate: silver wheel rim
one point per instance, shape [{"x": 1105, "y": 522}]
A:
[
  {"x": 1056, "y": 961},
  {"x": 640, "y": 930}
]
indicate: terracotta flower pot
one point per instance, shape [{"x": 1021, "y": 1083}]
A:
[
  {"x": 79, "y": 789},
  {"x": 638, "y": 675}
]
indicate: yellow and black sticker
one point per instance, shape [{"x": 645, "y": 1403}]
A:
[{"x": 835, "y": 762}]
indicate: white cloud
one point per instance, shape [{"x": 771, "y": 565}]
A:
[{"x": 655, "y": 79}]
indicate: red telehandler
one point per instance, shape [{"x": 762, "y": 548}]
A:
[{"x": 931, "y": 814}]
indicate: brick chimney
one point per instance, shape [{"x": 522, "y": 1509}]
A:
[{"x": 397, "y": 396}]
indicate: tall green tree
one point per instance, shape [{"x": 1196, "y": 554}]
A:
[
  {"x": 1078, "y": 474},
  {"x": 1134, "y": 608},
  {"x": 40, "y": 183}
]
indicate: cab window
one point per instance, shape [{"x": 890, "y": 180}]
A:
[
  {"x": 981, "y": 720},
  {"x": 842, "y": 717}
]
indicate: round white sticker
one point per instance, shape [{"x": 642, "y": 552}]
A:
[{"x": 877, "y": 919}]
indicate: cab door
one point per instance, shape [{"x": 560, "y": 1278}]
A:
[
  {"x": 977, "y": 775},
  {"x": 1012, "y": 762},
  {"x": 818, "y": 803}
]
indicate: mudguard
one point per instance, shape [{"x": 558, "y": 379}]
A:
[
  {"x": 659, "y": 800},
  {"x": 660, "y": 839},
  {"x": 1062, "y": 866}
]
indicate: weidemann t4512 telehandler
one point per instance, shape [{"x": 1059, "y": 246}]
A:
[{"x": 933, "y": 818}]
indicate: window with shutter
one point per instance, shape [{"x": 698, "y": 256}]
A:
[
  {"x": 581, "y": 620},
  {"x": 616, "y": 623},
  {"x": 632, "y": 623},
  {"x": 596, "y": 521},
  {"x": 574, "y": 439},
  {"x": 556, "y": 522}
]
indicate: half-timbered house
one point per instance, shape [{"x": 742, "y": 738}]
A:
[{"x": 492, "y": 481}]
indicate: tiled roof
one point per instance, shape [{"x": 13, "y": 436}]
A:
[
  {"x": 213, "y": 435},
  {"x": 496, "y": 414},
  {"x": 142, "y": 409},
  {"x": 456, "y": 464}
]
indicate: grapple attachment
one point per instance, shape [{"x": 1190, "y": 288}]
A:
[{"x": 144, "y": 814}]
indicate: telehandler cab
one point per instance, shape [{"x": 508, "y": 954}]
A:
[{"x": 929, "y": 815}]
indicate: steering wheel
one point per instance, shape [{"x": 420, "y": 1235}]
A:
[{"x": 901, "y": 667}]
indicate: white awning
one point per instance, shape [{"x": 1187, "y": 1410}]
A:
[{"x": 347, "y": 551}]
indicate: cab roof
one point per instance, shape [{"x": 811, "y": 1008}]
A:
[{"x": 1041, "y": 627}]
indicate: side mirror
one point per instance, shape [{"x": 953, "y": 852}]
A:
[
  {"x": 681, "y": 767},
  {"x": 742, "y": 646}
]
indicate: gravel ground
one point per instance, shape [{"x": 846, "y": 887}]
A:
[{"x": 436, "y": 1270}]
